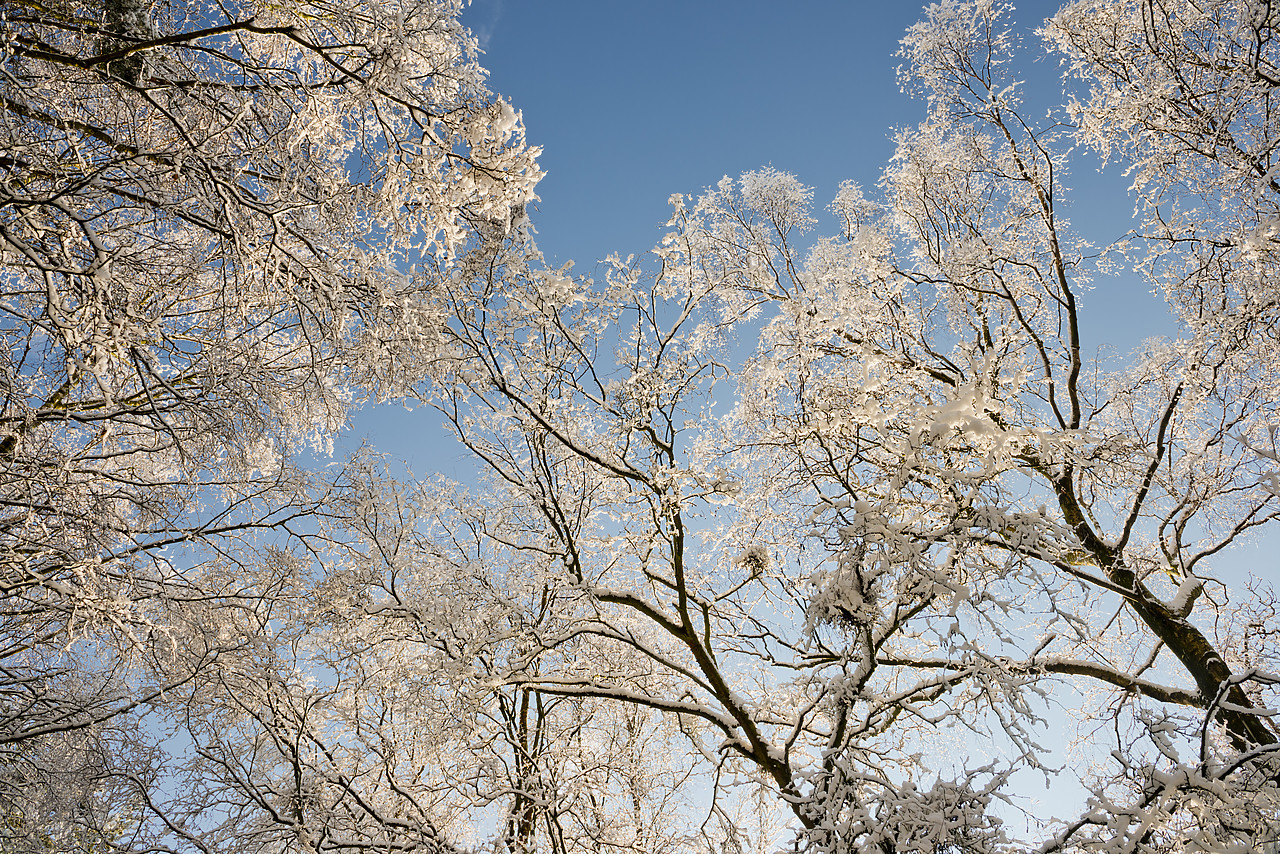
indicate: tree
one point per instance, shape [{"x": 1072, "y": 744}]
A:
[
  {"x": 929, "y": 514},
  {"x": 361, "y": 713},
  {"x": 784, "y": 539},
  {"x": 206, "y": 215}
]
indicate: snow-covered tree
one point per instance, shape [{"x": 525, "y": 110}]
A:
[
  {"x": 207, "y": 215},
  {"x": 860, "y": 562},
  {"x": 785, "y": 539}
]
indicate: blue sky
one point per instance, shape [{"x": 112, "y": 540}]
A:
[{"x": 632, "y": 102}]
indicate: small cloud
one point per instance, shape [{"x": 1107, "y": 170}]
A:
[{"x": 490, "y": 13}]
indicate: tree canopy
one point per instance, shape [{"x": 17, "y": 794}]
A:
[
  {"x": 207, "y": 212},
  {"x": 785, "y": 539}
]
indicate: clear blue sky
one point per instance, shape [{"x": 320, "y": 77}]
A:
[{"x": 632, "y": 102}]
